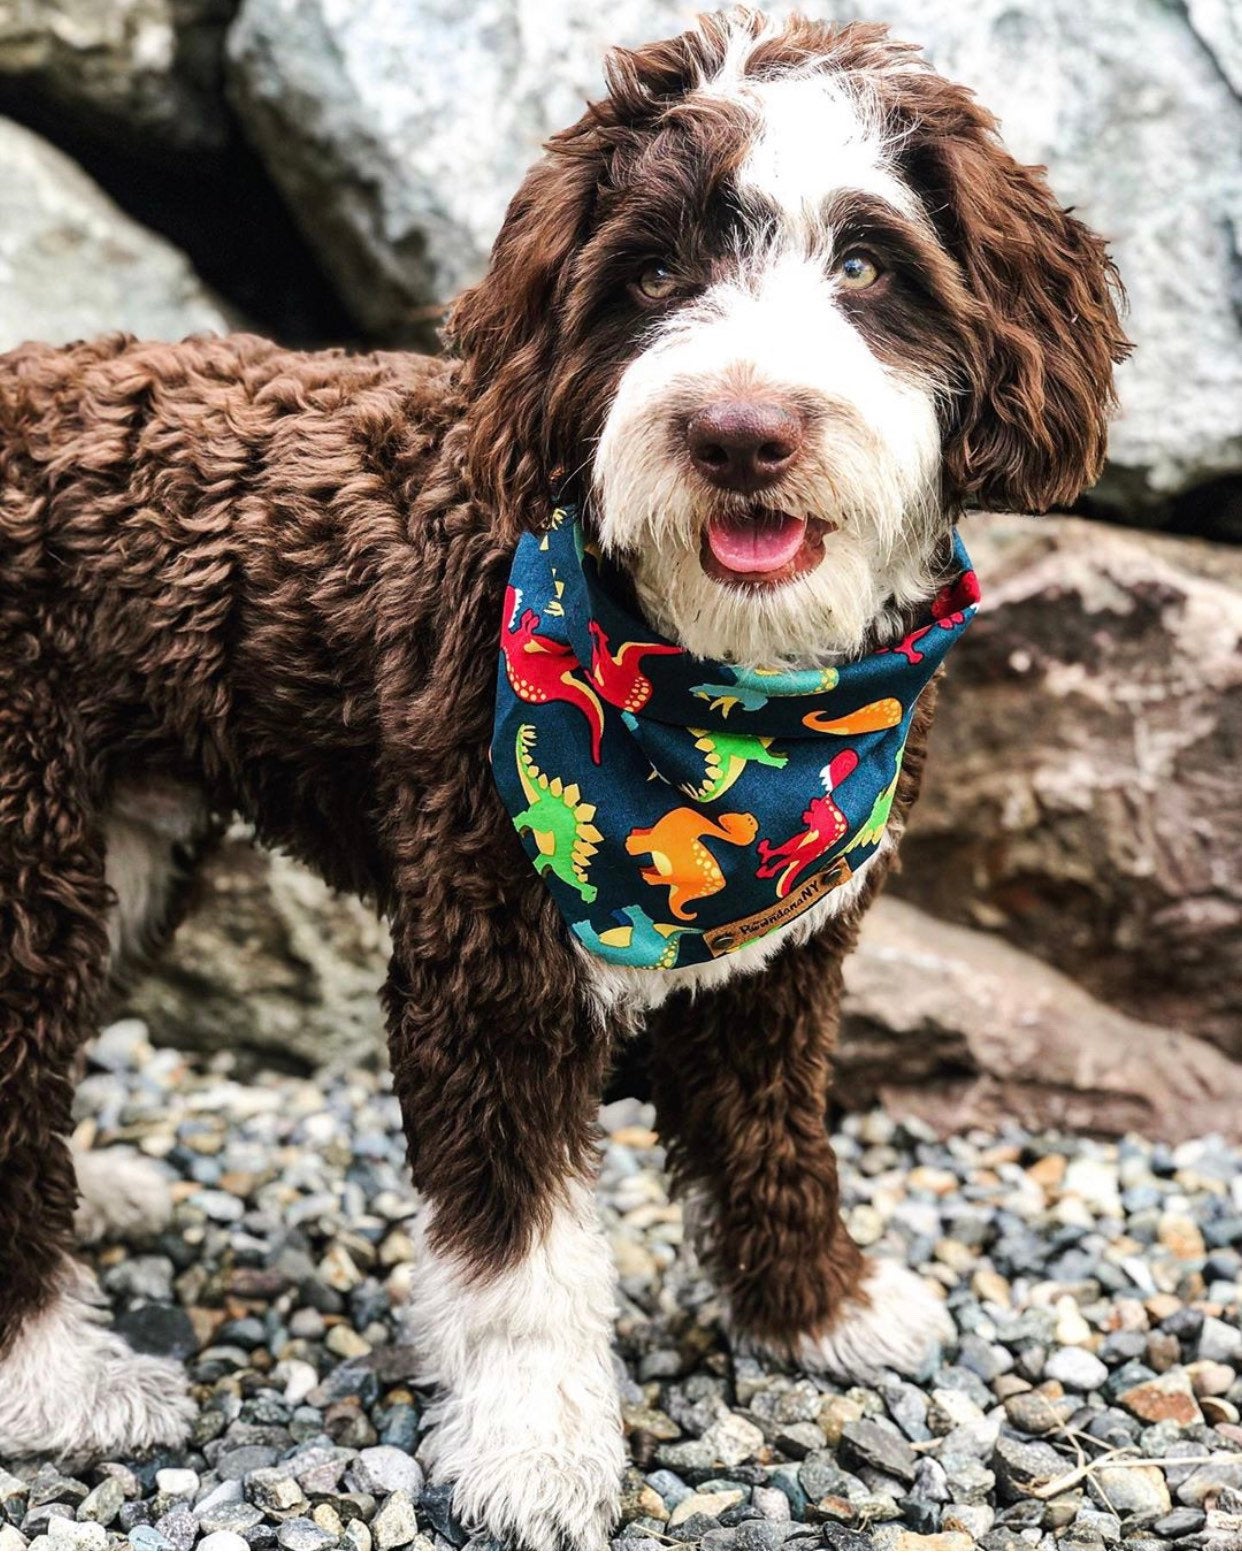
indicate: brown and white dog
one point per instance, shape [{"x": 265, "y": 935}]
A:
[{"x": 777, "y": 306}]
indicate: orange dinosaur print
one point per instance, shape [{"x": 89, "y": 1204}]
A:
[
  {"x": 680, "y": 860},
  {"x": 881, "y": 715},
  {"x": 618, "y": 673}
]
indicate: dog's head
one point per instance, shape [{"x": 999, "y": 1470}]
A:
[{"x": 778, "y": 306}]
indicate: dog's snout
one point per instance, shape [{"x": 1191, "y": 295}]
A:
[{"x": 744, "y": 445}]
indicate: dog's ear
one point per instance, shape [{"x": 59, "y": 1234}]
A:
[
  {"x": 505, "y": 330},
  {"x": 1031, "y": 423}
]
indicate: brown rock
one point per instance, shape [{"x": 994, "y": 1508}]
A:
[
  {"x": 963, "y": 1029},
  {"x": 1081, "y": 796},
  {"x": 1048, "y": 1171},
  {"x": 1163, "y": 1351},
  {"x": 1165, "y": 1399},
  {"x": 946, "y": 1541},
  {"x": 834, "y": 1414},
  {"x": 1181, "y": 1236}
]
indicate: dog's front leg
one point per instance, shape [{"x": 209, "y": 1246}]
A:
[
  {"x": 498, "y": 1069},
  {"x": 740, "y": 1078}
]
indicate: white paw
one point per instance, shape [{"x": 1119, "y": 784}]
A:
[
  {"x": 122, "y": 1195},
  {"x": 540, "y": 1471},
  {"x": 529, "y": 1423},
  {"x": 70, "y": 1389},
  {"x": 895, "y": 1325}
]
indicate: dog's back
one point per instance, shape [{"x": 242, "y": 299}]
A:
[{"x": 197, "y": 541}]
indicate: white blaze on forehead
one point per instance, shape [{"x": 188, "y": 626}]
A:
[
  {"x": 815, "y": 134},
  {"x": 814, "y": 138}
]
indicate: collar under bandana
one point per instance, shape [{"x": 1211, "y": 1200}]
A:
[{"x": 677, "y": 808}]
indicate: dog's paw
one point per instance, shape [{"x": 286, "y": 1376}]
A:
[
  {"x": 72, "y": 1390},
  {"x": 896, "y": 1323},
  {"x": 537, "y": 1485},
  {"x": 122, "y": 1196}
]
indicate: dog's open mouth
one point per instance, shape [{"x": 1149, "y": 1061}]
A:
[{"x": 762, "y": 546}]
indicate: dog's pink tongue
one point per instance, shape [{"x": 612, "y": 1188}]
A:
[{"x": 755, "y": 543}]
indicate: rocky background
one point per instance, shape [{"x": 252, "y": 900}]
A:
[{"x": 1064, "y": 943}]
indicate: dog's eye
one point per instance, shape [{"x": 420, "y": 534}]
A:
[
  {"x": 858, "y": 270},
  {"x": 656, "y": 282}
]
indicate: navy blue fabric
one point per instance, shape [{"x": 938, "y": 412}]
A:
[{"x": 680, "y": 808}]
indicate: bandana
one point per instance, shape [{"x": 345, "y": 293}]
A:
[{"x": 680, "y": 809}]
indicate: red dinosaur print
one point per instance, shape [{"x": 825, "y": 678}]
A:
[
  {"x": 825, "y": 825},
  {"x": 618, "y": 675},
  {"x": 948, "y": 609},
  {"x": 951, "y": 604},
  {"x": 542, "y": 671}
]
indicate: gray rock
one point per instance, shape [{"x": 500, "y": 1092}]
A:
[
  {"x": 1208, "y": 1479},
  {"x": 401, "y": 146},
  {"x": 146, "y": 1538},
  {"x": 1076, "y": 1368},
  {"x": 969, "y": 1483},
  {"x": 146, "y": 69},
  {"x": 383, "y": 1469},
  {"x": 876, "y": 1444},
  {"x": 179, "y": 1527},
  {"x": 1139, "y": 1490},
  {"x": 102, "y": 1503},
  {"x": 148, "y": 1276},
  {"x": 71, "y": 1536},
  {"x": 276, "y": 1492},
  {"x": 1220, "y": 1342},
  {"x": 1019, "y": 1467},
  {"x": 271, "y": 950},
  {"x": 303, "y": 1535},
  {"x": 798, "y": 1439},
  {"x": 238, "y": 1517},
  {"x": 1034, "y": 1412},
  {"x": 396, "y": 1523},
  {"x": 73, "y": 265}
]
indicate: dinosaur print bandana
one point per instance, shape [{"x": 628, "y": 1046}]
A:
[{"x": 680, "y": 809}]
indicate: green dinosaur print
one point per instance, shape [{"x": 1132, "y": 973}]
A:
[
  {"x": 726, "y": 756},
  {"x": 753, "y": 688},
  {"x": 872, "y": 830},
  {"x": 640, "y": 943},
  {"x": 559, "y": 820}
]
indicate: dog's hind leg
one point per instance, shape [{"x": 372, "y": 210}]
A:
[
  {"x": 499, "y": 1071},
  {"x": 156, "y": 832},
  {"x": 68, "y": 1385}
]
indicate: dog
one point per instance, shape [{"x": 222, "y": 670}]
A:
[{"x": 771, "y": 314}]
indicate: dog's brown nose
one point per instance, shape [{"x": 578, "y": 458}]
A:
[{"x": 744, "y": 445}]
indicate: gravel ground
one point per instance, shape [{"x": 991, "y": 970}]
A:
[{"x": 1091, "y": 1401}]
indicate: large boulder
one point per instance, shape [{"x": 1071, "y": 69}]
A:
[
  {"x": 398, "y": 130},
  {"x": 73, "y": 265},
  {"x": 960, "y": 1028},
  {"x": 1136, "y": 108},
  {"x": 272, "y": 965},
  {"x": 1082, "y": 794},
  {"x": 149, "y": 70}
]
